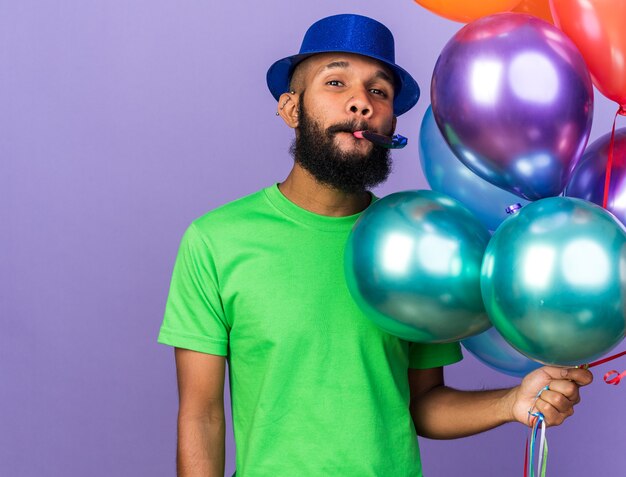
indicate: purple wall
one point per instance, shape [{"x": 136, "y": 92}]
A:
[{"x": 118, "y": 122}]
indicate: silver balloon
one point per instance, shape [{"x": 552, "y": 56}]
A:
[{"x": 413, "y": 266}]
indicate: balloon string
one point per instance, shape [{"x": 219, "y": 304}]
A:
[
  {"x": 615, "y": 380},
  {"x": 609, "y": 164},
  {"x": 605, "y": 360},
  {"x": 543, "y": 451},
  {"x": 529, "y": 456},
  {"x": 526, "y": 459},
  {"x": 542, "y": 457}
]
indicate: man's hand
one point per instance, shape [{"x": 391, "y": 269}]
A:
[
  {"x": 557, "y": 402},
  {"x": 440, "y": 412}
]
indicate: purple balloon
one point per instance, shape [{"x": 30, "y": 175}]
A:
[
  {"x": 513, "y": 98},
  {"x": 587, "y": 181}
]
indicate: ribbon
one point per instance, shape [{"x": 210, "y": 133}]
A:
[
  {"x": 609, "y": 164},
  {"x": 542, "y": 458},
  {"x": 615, "y": 380}
]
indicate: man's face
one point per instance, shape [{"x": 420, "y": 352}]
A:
[
  {"x": 340, "y": 94},
  {"x": 343, "y": 87}
]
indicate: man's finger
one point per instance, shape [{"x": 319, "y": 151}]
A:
[
  {"x": 551, "y": 415},
  {"x": 557, "y": 400},
  {"x": 569, "y": 389},
  {"x": 580, "y": 376}
]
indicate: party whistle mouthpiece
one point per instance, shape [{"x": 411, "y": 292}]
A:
[{"x": 394, "y": 142}]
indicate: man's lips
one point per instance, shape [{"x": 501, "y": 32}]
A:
[
  {"x": 352, "y": 140},
  {"x": 347, "y": 128},
  {"x": 354, "y": 134},
  {"x": 372, "y": 136}
]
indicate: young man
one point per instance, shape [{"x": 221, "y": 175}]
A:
[{"x": 316, "y": 388}]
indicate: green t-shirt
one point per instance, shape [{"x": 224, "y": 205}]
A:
[{"x": 316, "y": 388}]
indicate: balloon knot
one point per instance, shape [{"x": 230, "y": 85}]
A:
[
  {"x": 622, "y": 110},
  {"x": 512, "y": 209}
]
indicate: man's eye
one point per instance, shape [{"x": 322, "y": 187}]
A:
[
  {"x": 334, "y": 83},
  {"x": 379, "y": 92}
]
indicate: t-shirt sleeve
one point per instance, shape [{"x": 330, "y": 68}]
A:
[
  {"x": 424, "y": 356},
  {"x": 194, "y": 316}
]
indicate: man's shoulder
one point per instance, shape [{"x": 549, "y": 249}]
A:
[{"x": 232, "y": 213}]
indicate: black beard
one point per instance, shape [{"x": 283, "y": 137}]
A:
[{"x": 315, "y": 150}]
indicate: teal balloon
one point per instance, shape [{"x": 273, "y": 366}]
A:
[
  {"x": 447, "y": 174},
  {"x": 491, "y": 348},
  {"x": 554, "y": 279},
  {"x": 412, "y": 264}
]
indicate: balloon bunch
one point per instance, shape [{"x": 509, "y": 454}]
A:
[
  {"x": 512, "y": 106},
  {"x": 512, "y": 99}
]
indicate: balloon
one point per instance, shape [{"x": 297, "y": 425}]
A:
[
  {"x": 491, "y": 349},
  {"x": 587, "y": 181},
  {"x": 536, "y": 8},
  {"x": 597, "y": 29},
  {"x": 445, "y": 173},
  {"x": 513, "y": 99},
  {"x": 465, "y": 11},
  {"x": 412, "y": 264},
  {"x": 554, "y": 279}
]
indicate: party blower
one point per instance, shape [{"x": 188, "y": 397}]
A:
[{"x": 394, "y": 142}]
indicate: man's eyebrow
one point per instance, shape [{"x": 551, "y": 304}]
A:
[
  {"x": 380, "y": 74},
  {"x": 336, "y": 64}
]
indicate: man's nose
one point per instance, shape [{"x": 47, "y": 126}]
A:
[{"x": 359, "y": 104}]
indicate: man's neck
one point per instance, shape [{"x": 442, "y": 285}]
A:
[{"x": 301, "y": 188}]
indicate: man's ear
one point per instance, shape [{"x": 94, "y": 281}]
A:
[{"x": 288, "y": 109}]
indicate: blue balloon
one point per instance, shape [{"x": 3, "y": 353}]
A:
[
  {"x": 491, "y": 349},
  {"x": 554, "y": 281},
  {"x": 412, "y": 265},
  {"x": 445, "y": 173}
]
